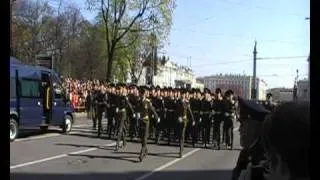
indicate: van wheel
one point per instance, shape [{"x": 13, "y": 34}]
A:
[
  {"x": 14, "y": 129},
  {"x": 67, "y": 127}
]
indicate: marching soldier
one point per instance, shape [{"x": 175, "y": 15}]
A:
[
  {"x": 218, "y": 117},
  {"x": 183, "y": 112},
  {"x": 269, "y": 104},
  {"x": 153, "y": 120},
  {"x": 112, "y": 101},
  {"x": 134, "y": 100},
  {"x": 195, "y": 105},
  {"x": 206, "y": 108},
  {"x": 124, "y": 106},
  {"x": 100, "y": 101},
  {"x": 94, "y": 106},
  {"x": 158, "y": 104},
  {"x": 230, "y": 114},
  {"x": 170, "y": 105},
  {"x": 145, "y": 109}
]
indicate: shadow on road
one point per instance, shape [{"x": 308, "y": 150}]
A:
[
  {"x": 168, "y": 175},
  {"x": 29, "y": 133},
  {"x": 167, "y": 155},
  {"x": 133, "y": 159}
]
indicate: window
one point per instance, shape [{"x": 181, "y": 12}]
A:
[
  {"x": 12, "y": 87},
  {"x": 30, "y": 88}
]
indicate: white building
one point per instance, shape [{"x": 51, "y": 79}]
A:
[
  {"x": 172, "y": 75},
  {"x": 240, "y": 84},
  {"x": 303, "y": 90},
  {"x": 281, "y": 94}
]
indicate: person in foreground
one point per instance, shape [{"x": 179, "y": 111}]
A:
[
  {"x": 286, "y": 141},
  {"x": 286, "y": 138}
]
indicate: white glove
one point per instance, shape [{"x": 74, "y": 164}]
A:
[
  {"x": 200, "y": 119},
  {"x": 134, "y": 115},
  {"x": 213, "y": 112},
  {"x": 226, "y": 114},
  {"x": 152, "y": 116},
  {"x": 193, "y": 123},
  {"x": 180, "y": 119},
  {"x": 138, "y": 115},
  {"x": 158, "y": 120},
  {"x": 117, "y": 110}
]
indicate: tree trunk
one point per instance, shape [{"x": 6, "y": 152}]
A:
[{"x": 109, "y": 66}]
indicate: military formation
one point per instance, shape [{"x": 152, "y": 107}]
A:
[{"x": 164, "y": 114}]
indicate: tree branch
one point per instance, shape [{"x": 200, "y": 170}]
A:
[{"x": 133, "y": 21}]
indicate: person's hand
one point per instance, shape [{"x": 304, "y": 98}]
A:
[
  {"x": 180, "y": 119},
  {"x": 193, "y": 123},
  {"x": 158, "y": 120}
]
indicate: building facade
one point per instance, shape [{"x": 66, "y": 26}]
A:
[
  {"x": 281, "y": 94},
  {"x": 171, "y": 74},
  {"x": 240, "y": 84},
  {"x": 303, "y": 90}
]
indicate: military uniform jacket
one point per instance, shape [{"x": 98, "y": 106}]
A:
[
  {"x": 195, "y": 105},
  {"x": 123, "y": 104},
  {"x": 218, "y": 107},
  {"x": 269, "y": 106},
  {"x": 170, "y": 105},
  {"x": 158, "y": 104},
  {"x": 206, "y": 107},
  {"x": 145, "y": 109},
  {"x": 183, "y": 110},
  {"x": 229, "y": 109}
]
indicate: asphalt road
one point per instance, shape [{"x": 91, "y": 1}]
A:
[{"x": 81, "y": 155}]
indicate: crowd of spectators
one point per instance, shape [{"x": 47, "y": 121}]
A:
[{"x": 77, "y": 91}]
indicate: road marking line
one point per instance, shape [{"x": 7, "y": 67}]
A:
[
  {"x": 167, "y": 165},
  {"x": 57, "y": 156},
  {"x": 47, "y": 135}
]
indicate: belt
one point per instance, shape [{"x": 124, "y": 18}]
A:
[
  {"x": 206, "y": 112},
  {"x": 158, "y": 110},
  {"x": 170, "y": 110},
  {"x": 217, "y": 112},
  {"x": 229, "y": 114},
  {"x": 195, "y": 112}
]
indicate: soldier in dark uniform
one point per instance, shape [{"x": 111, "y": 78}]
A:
[
  {"x": 145, "y": 108},
  {"x": 183, "y": 112},
  {"x": 190, "y": 124},
  {"x": 195, "y": 104},
  {"x": 218, "y": 117},
  {"x": 158, "y": 104},
  {"x": 170, "y": 105},
  {"x": 251, "y": 118},
  {"x": 100, "y": 102},
  {"x": 124, "y": 107},
  {"x": 134, "y": 99},
  {"x": 112, "y": 100},
  {"x": 206, "y": 109},
  {"x": 153, "y": 120},
  {"x": 230, "y": 114},
  {"x": 177, "y": 97},
  {"x": 269, "y": 104},
  {"x": 94, "y": 106}
]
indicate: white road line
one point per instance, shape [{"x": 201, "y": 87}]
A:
[
  {"x": 48, "y": 135},
  {"x": 171, "y": 162},
  {"x": 56, "y": 157},
  {"x": 167, "y": 165}
]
